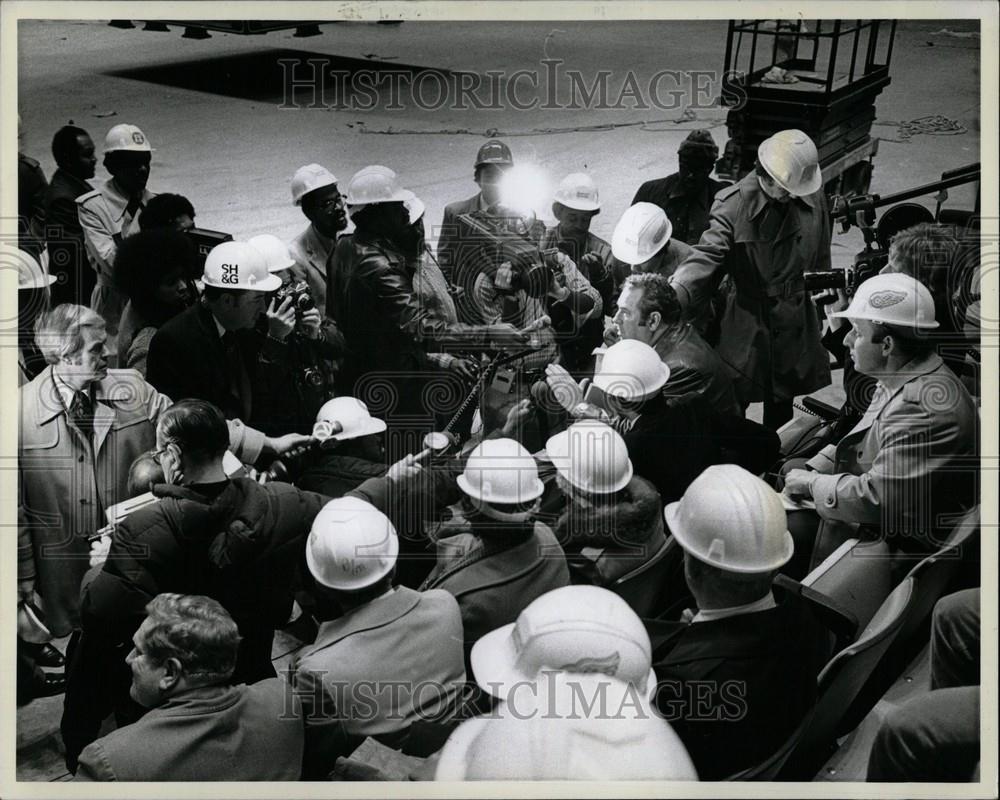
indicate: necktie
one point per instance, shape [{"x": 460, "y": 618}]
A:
[
  {"x": 134, "y": 204},
  {"x": 239, "y": 381},
  {"x": 81, "y": 411}
]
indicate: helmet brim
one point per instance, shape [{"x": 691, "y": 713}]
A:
[
  {"x": 494, "y": 661},
  {"x": 849, "y": 315},
  {"x": 374, "y": 426},
  {"x": 268, "y": 284}
]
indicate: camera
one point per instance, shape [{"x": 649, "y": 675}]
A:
[
  {"x": 866, "y": 264},
  {"x": 490, "y": 238},
  {"x": 313, "y": 377},
  {"x": 302, "y": 300}
]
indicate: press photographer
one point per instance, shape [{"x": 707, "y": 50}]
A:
[
  {"x": 507, "y": 277},
  {"x": 314, "y": 345},
  {"x": 213, "y": 351}
]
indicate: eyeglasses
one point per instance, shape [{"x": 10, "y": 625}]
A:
[{"x": 157, "y": 455}]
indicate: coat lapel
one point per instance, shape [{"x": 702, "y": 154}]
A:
[{"x": 104, "y": 417}]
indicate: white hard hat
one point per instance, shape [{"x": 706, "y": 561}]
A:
[
  {"x": 126, "y": 137},
  {"x": 274, "y": 250},
  {"x": 30, "y": 273},
  {"x": 790, "y": 158},
  {"x": 574, "y": 727},
  {"x": 641, "y": 233},
  {"x": 376, "y": 184},
  {"x": 352, "y": 416},
  {"x": 309, "y": 178},
  {"x": 730, "y": 519},
  {"x": 572, "y": 629},
  {"x": 501, "y": 471},
  {"x": 578, "y": 190},
  {"x": 415, "y": 208},
  {"x": 892, "y": 299},
  {"x": 631, "y": 370},
  {"x": 592, "y": 456},
  {"x": 238, "y": 265},
  {"x": 351, "y": 545}
]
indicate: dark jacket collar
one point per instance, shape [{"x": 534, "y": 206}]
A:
[{"x": 71, "y": 182}]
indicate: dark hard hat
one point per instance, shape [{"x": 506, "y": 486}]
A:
[
  {"x": 699, "y": 143},
  {"x": 494, "y": 152}
]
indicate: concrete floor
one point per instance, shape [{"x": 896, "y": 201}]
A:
[
  {"x": 234, "y": 156},
  {"x": 233, "y": 151}
]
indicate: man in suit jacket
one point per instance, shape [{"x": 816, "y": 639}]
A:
[
  {"x": 73, "y": 151},
  {"x": 737, "y": 676},
  {"x": 199, "y": 728},
  {"x": 314, "y": 189},
  {"x": 493, "y": 159},
  {"x": 211, "y": 351},
  {"x": 392, "y": 657},
  {"x": 911, "y": 463}
]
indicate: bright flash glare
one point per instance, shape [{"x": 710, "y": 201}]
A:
[{"x": 526, "y": 190}]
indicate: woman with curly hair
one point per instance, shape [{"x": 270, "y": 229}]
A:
[{"x": 153, "y": 268}]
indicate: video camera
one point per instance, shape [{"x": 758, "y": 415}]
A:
[
  {"x": 204, "y": 241},
  {"x": 866, "y": 264},
  {"x": 490, "y": 238}
]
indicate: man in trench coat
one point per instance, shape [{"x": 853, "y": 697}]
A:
[{"x": 764, "y": 233}]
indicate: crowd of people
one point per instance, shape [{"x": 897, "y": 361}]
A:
[{"x": 482, "y": 475}]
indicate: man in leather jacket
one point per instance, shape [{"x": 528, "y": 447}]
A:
[{"x": 386, "y": 327}]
